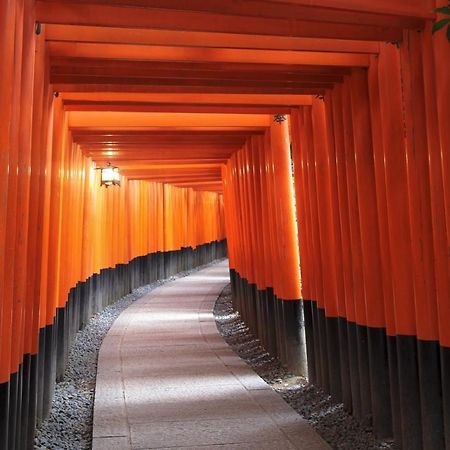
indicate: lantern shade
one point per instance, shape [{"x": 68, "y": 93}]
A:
[{"x": 110, "y": 176}]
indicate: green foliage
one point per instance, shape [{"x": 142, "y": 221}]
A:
[{"x": 445, "y": 10}]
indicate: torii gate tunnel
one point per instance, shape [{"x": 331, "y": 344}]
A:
[{"x": 309, "y": 141}]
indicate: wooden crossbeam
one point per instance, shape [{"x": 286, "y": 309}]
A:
[{"x": 279, "y": 20}]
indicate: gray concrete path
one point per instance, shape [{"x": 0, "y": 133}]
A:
[{"x": 167, "y": 379}]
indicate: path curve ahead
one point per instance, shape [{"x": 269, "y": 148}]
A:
[{"x": 167, "y": 379}]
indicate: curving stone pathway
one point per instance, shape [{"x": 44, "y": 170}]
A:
[{"x": 167, "y": 379}]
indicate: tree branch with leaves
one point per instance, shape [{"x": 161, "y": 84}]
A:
[{"x": 444, "y": 22}]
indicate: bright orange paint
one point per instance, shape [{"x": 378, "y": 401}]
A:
[{"x": 371, "y": 160}]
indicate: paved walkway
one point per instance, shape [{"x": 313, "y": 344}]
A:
[{"x": 166, "y": 379}]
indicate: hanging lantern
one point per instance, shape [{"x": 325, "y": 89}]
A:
[{"x": 109, "y": 175}]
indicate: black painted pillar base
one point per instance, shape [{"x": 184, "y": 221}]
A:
[
  {"x": 394, "y": 389},
  {"x": 270, "y": 324},
  {"x": 278, "y": 324},
  {"x": 316, "y": 344},
  {"x": 398, "y": 385},
  {"x": 49, "y": 368},
  {"x": 445, "y": 377},
  {"x": 354, "y": 369},
  {"x": 333, "y": 357},
  {"x": 380, "y": 383},
  {"x": 323, "y": 343},
  {"x": 13, "y": 409},
  {"x": 40, "y": 378},
  {"x": 346, "y": 388},
  {"x": 22, "y": 435},
  {"x": 34, "y": 362},
  {"x": 4, "y": 415},
  {"x": 364, "y": 374},
  {"x": 411, "y": 423},
  {"x": 310, "y": 346},
  {"x": 431, "y": 395},
  {"x": 61, "y": 345}
]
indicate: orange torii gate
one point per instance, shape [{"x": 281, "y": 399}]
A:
[{"x": 181, "y": 96}]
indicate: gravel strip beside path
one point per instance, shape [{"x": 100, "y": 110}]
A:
[
  {"x": 69, "y": 425},
  {"x": 336, "y": 426}
]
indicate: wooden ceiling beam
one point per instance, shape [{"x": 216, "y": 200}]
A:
[
  {"x": 168, "y": 174},
  {"x": 225, "y": 138},
  {"x": 78, "y": 105},
  {"x": 100, "y": 159},
  {"x": 414, "y": 8},
  {"x": 141, "y": 74},
  {"x": 266, "y": 9},
  {"x": 151, "y": 165},
  {"x": 198, "y": 55},
  {"x": 125, "y": 129},
  {"x": 108, "y": 35},
  {"x": 155, "y": 18},
  {"x": 165, "y": 132},
  {"x": 99, "y": 146},
  {"x": 136, "y": 120},
  {"x": 144, "y": 152},
  {"x": 161, "y": 141},
  {"x": 91, "y": 64},
  {"x": 200, "y": 84},
  {"x": 201, "y": 185},
  {"x": 180, "y": 172},
  {"x": 163, "y": 155},
  {"x": 168, "y": 179},
  {"x": 164, "y": 158},
  {"x": 176, "y": 176},
  {"x": 199, "y": 98},
  {"x": 92, "y": 87}
]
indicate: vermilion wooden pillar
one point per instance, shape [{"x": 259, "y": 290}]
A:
[
  {"x": 437, "y": 173},
  {"x": 14, "y": 206},
  {"x": 329, "y": 233},
  {"x": 306, "y": 134},
  {"x": 271, "y": 205},
  {"x": 301, "y": 191},
  {"x": 346, "y": 307},
  {"x": 335, "y": 155},
  {"x": 280, "y": 145},
  {"x": 419, "y": 184},
  {"x": 355, "y": 350},
  {"x": 400, "y": 315},
  {"x": 371, "y": 253},
  {"x": 38, "y": 153},
  {"x": 257, "y": 224},
  {"x": 306, "y": 243},
  {"x": 426, "y": 191},
  {"x": 23, "y": 321},
  {"x": 442, "y": 75},
  {"x": 268, "y": 194},
  {"x": 7, "y": 25}
]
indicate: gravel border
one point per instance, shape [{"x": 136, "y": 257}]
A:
[
  {"x": 340, "y": 429},
  {"x": 69, "y": 425}
]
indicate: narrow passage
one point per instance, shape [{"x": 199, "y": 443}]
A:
[{"x": 167, "y": 379}]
